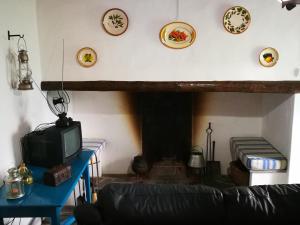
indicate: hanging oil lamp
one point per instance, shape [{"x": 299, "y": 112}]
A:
[
  {"x": 14, "y": 184},
  {"x": 24, "y": 71}
]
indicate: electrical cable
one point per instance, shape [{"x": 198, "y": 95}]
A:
[
  {"x": 39, "y": 88},
  {"x": 43, "y": 126},
  {"x": 177, "y": 9}
]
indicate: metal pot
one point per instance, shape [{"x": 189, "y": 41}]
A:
[{"x": 196, "y": 159}]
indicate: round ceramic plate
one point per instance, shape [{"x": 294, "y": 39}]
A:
[
  {"x": 86, "y": 57},
  {"x": 268, "y": 57},
  {"x": 115, "y": 21},
  {"x": 177, "y": 35},
  {"x": 236, "y": 20}
]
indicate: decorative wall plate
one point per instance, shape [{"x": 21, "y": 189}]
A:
[
  {"x": 86, "y": 57},
  {"x": 236, "y": 20},
  {"x": 268, "y": 57},
  {"x": 115, "y": 21},
  {"x": 177, "y": 35}
]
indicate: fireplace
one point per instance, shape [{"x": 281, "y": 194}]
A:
[
  {"x": 116, "y": 117},
  {"x": 166, "y": 126}
]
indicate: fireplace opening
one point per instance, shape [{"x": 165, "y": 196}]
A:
[{"x": 166, "y": 126}]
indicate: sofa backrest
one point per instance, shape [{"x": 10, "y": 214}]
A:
[
  {"x": 266, "y": 204},
  {"x": 145, "y": 204},
  {"x": 158, "y": 204}
]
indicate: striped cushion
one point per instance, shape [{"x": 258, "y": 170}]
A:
[{"x": 257, "y": 154}]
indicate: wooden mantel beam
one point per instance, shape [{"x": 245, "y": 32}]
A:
[{"x": 177, "y": 86}]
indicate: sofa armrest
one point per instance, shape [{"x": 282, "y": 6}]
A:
[{"x": 87, "y": 214}]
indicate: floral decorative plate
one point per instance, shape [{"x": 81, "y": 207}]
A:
[
  {"x": 86, "y": 57},
  {"x": 177, "y": 35},
  {"x": 268, "y": 57},
  {"x": 115, "y": 21},
  {"x": 236, "y": 20}
]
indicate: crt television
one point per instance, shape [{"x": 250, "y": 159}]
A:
[{"x": 53, "y": 145}]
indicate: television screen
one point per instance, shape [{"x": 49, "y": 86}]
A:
[{"x": 71, "y": 141}]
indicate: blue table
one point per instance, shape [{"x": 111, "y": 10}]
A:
[{"x": 46, "y": 201}]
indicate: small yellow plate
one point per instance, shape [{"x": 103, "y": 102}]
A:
[
  {"x": 268, "y": 57},
  {"x": 86, "y": 57}
]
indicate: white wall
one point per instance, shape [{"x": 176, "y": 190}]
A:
[
  {"x": 278, "y": 121},
  {"x": 21, "y": 111},
  {"x": 139, "y": 55},
  {"x": 108, "y": 116},
  {"x": 231, "y": 115},
  {"x": 294, "y": 165}
]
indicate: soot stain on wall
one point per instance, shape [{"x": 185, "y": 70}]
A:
[
  {"x": 130, "y": 105},
  {"x": 200, "y": 105}
]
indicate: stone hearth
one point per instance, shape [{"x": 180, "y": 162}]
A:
[{"x": 168, "y": 170}]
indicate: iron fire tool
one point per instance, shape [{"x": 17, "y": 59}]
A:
[
  {"x": 213, "y": 150},
  {"x": 209, "y": 131}
]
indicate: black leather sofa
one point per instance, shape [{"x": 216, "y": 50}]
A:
[{"x": 145, "y": 204}]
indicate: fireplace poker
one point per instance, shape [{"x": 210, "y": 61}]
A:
[
  {"x": 208, "y": 142},
  {"x": 206, "y": 154},
  {"x": 213, "y": 150}
]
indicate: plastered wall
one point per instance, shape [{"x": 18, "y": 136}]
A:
[
  {"x": 139, "y": 55},
  {"x": 21, "y": 111}
]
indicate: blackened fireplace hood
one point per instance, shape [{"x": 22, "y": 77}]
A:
[{"x": 176, "y": 86}]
